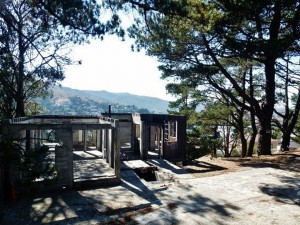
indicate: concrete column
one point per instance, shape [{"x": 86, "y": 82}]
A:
[
  {"x": 104, "y": 144},
  {"x": 143, "y": 139},
  {"x": 64, "y": 157},
  {"x": 98, "y": 140},
  {"x": 162, "y": 144},
  {"x": 117, "y": 150},
  {"x": 84, "y": 140},
  {"x": 110, "y": 148}
]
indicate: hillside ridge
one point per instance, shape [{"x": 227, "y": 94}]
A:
[{"x": 65, "y": 100}]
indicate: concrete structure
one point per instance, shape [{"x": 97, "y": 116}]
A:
[
  {"x": 152, "y": 135},
  {"x": 88, "y": 151},
  {"x": 84, "y": 150}
]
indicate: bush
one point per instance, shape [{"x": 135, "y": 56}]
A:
[
  {"x": 33, "y": 165},
  {"x": 25, "y": 165},
  {"x": 197, "y": 147}
]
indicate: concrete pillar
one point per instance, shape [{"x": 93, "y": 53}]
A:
[
  {"x": 64, "y": 157},
  {"x": 84, "y": 140},
  {"x": 98, "y": 140},
  {"x": 104, "y": 144},
  {"x": 94, "y": 137},
  {"x": 110, "y": 148},
  {"x": 133, "y": 137},
  {"x": 143, "y": 140},
  {"x": 116, "y": 135}
]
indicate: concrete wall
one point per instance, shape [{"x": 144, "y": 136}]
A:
[{"x": 125, "y": 128}]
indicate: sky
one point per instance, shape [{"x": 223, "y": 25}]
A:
[{"x": 110, "y": 65}]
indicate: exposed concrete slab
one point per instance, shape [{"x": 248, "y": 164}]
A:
[
  {"x": 89, "y": 165},
  {"x": 134, "y": 164}
]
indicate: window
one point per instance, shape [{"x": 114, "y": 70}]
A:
[{"x": 171, "y": 131}]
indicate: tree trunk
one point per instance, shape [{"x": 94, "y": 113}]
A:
[
  {"x": 285, "y": 124},
  {"x": 214, "y": 150},
  {"x": 253, "y": 135},
  {"x": 264, "y": 147},
  {"x": 289, "y": 127},
  {"x": 267, "y": 108},
  {"x": 253, "y": 118},
  {"x": 285, "y": 144},
  {"x": 251, "y": 144},
  {"x": 226, "y": 136},
  {"x": 241, "y": 121},
  {"x": 240, "y": 126},
  {"x": 20, "y": 108},
  {"x": 244, "y": 144}
]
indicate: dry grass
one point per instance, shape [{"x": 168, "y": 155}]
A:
[{"x": 205, "y": 166}]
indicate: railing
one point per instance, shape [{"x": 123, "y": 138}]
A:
[
  {"x": 15, "y": 120},
  {"x": 101, "y": 119}
]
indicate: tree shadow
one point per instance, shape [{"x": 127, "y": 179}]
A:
[
  {"x": 284, "y": 161},
  {"x": 203, "y": 167},
  {"x": 111, "y": 205},
  {"x": 133, "y": 183},
  {"x": 124, "y": 204},
  {"x": 288, "y": 192},
  {"x": 197, "y": 206},
  {"x": 161, "y": 163},
  {"x": 71, "y": 207},
  {"x": 260, "y": 165}
]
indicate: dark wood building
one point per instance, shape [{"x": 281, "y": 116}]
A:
[{"x": 153, "y": 135}]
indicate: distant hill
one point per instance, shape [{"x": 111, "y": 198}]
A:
[{"x": 70, "y": 101}]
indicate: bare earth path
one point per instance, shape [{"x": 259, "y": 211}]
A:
[
  {"x": 207, "y": 166},
  {"x": 259, "y": 190}
]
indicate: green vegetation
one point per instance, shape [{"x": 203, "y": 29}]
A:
[
  {"x": 241, "y": 54},
  {"x": 75, "y": 105},
  {"x": 34, "y": 40}
]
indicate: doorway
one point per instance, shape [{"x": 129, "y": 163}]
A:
[{"x": 155, "y": 142}]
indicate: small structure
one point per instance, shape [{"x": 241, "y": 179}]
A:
[
  {"x": 84, "y": 150},
  {"x": 153, "y": 135}
]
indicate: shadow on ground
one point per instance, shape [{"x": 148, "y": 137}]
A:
[
  {"x": 203, "y": 167},
  {"x": 124, "y": 204},
  {"x": 277, "y": 161},
  {"x": 287, "y": 193}
]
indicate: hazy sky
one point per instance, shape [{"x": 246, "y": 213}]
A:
[{"x": 111, "y": 65}]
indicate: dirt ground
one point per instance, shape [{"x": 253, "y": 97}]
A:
[{"x": 207, "y": 166}]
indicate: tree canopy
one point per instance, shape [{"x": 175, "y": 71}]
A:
[
  {"x": 35, "y": 36},
  {"x": 212, "y": 43}
]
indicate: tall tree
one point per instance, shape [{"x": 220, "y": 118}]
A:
[
  {"x": 34, "y": 37},
  {"x": 288, "y": 96},
  {"x": 199, "y": 35}
]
